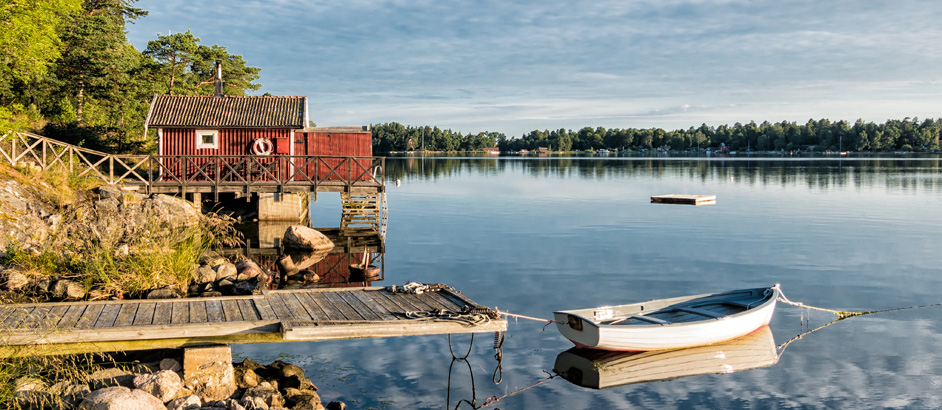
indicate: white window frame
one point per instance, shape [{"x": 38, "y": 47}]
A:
[{"x": 199, "y": 139}]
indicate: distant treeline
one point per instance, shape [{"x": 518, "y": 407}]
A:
[{"x": 909, "y": 134}]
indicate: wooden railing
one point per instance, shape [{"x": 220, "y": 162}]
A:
[{"x": 191, "y": 170}]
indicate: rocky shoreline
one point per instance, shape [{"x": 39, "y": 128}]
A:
[
  {"x": 162, "y": 384},
  {"x": 28, "y": 221}
]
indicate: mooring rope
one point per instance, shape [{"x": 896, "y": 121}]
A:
[
  {"x": 514, "y": 315},
  {"x": 840, "y": 313}
]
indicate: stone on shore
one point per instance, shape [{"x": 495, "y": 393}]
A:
[
  {"x": 302, "y": 237},
  {"x": 120, "y": 398},
  {"x": 163, "y": 384},
  {"x": 247, "y": 269},
  {"x": 191, "y": 402}
]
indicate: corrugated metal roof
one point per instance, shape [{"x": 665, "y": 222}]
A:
[{"x": 199, "y": 111}]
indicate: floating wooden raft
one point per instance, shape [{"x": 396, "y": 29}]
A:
[
  {"x": 283, "y": 315},
  {"x": 684, "y": 199}
]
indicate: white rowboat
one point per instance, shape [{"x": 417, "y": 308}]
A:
[{"x": 670, "y": 323}]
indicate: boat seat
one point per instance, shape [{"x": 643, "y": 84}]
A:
[
  {"x": 651, "y": 320},
  {"x": 700, "y": 312},
  {"x": 743, "y": 304}
]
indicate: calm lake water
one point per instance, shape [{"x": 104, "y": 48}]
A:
[{"x": 531, "y": 236}]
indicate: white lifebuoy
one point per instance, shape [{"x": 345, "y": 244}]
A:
[{"x": 262, "y": 146}]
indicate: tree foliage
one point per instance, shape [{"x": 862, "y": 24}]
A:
[
  {"x": 815, "y": 135},
  {"x": 68, "y": 71}
]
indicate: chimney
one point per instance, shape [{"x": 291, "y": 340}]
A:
[{"x": 218, "y": 80}]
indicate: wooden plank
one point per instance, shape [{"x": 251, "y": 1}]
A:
[
  {"x": 419, "y": 302},
  {"x": 126, "y": 315},
  {"x": 372, "y": 301},
  {"x": 145, "y": 314},
  {"x": 108, "y": 315},
  {"x": 179, "y": 312},
  {"x": 231, "y": 310},
  {"x": 90, "y": 317},
  {"x": 162, "y": 313},
  {"x": 54, "y": 316},
  {"x": 441, "y": 299},
  {"x": 298, "y": 312},
  {"x": 71, "y": 316},
  {"x": 278, "y": 306},
  {"x": 214, "y": 311},
  {"x": 5, "y": 312},
  {"x": 198, "y": 312},
  {"x": 312, "y": 307},
  {"x": 248, "y": 310},
  {"x": 35, "y": 318},
  {"x": 318, "y": 299},
  {"x": 17, "y": 316},
  {"x": 408, "y": 304},
  {"x": 264, "y": 308},
  {"x": 361, "y": 308},
  {"x": 386, "y": 299},
  {"x": 345, "y": 309}
]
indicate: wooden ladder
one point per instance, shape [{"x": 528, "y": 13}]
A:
[{"x": 364, "y": 211}]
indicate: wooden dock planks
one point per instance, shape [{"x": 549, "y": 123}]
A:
[
  {"x": 307, "y": 314},
  {"x": 684, "y": 199}
]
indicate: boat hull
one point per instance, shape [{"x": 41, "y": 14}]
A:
[{"x": 585, "y": 331}]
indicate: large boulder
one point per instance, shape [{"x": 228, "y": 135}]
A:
[
  {"x": 174, "y": 210},
  {"x": 163, "y": 385},
  {"x": 302, "y": 237},
  {"x": 190, "y": 402},
  {"x": 12, "y": 279},
  {"x": 120, "y": 398}
]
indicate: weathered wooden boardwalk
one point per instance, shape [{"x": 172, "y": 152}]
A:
[{"x": 275, "y": 316}]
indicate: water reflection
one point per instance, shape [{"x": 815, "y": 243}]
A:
[
  {"x": 599, "y": 369},
  {"x": 908, "y": 173},
  {"x": 357, "y": 259}
]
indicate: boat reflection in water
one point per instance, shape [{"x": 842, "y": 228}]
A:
[
  {"x": 599, "y": 369},
  {"x": 357, "y": 259}
]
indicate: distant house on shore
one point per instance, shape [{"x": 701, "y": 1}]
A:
[{"x": 492, "y": 150}]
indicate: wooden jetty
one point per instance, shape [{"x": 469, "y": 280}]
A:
[
  {"x": 684, "y": 199},
  {"x": 274, "y": 316}
]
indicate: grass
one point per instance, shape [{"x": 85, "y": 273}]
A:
[{"x": 89, "y": 247}]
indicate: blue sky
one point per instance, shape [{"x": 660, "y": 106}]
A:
[{"x": 517, "y": 66}]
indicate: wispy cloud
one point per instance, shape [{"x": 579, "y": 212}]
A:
[{"x": 514, "y": 64}]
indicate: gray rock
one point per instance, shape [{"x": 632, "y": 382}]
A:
[
  {"x": 163, "y": 385},
  {"x": 191, "y": 402},
  {"x": 70, "y": 392},
  {"x": 13, "y": 279},
  {"x": 120, "y": 398},
  {"x": 164, "y": 293},
  {"x": 111, "y": 377},
  {"x": 211, "y": 259},
  {"x": 171, "y": 364},
  {"x": 264, "y": 395},
  {"x": 109, "y": 191},
  {"x": 302, "y": 237},
  {"x": 204, "y": 274},
  {"x": 174, "y": 210},
  {"x": 29, "y": 391},
  {"x": 336, "y": 405},
  {"x": 67, "y": 290},
  {"x": 226, "y": 271},
  {"x": 247, "y": 270}
]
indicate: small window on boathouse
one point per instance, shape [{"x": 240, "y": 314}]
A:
[{"x": 207, "y": 139}]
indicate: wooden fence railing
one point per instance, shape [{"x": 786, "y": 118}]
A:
[{"x": 217, "y": 171}]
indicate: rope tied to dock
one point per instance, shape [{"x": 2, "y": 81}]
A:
[{"x": 516, "y": 316}]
